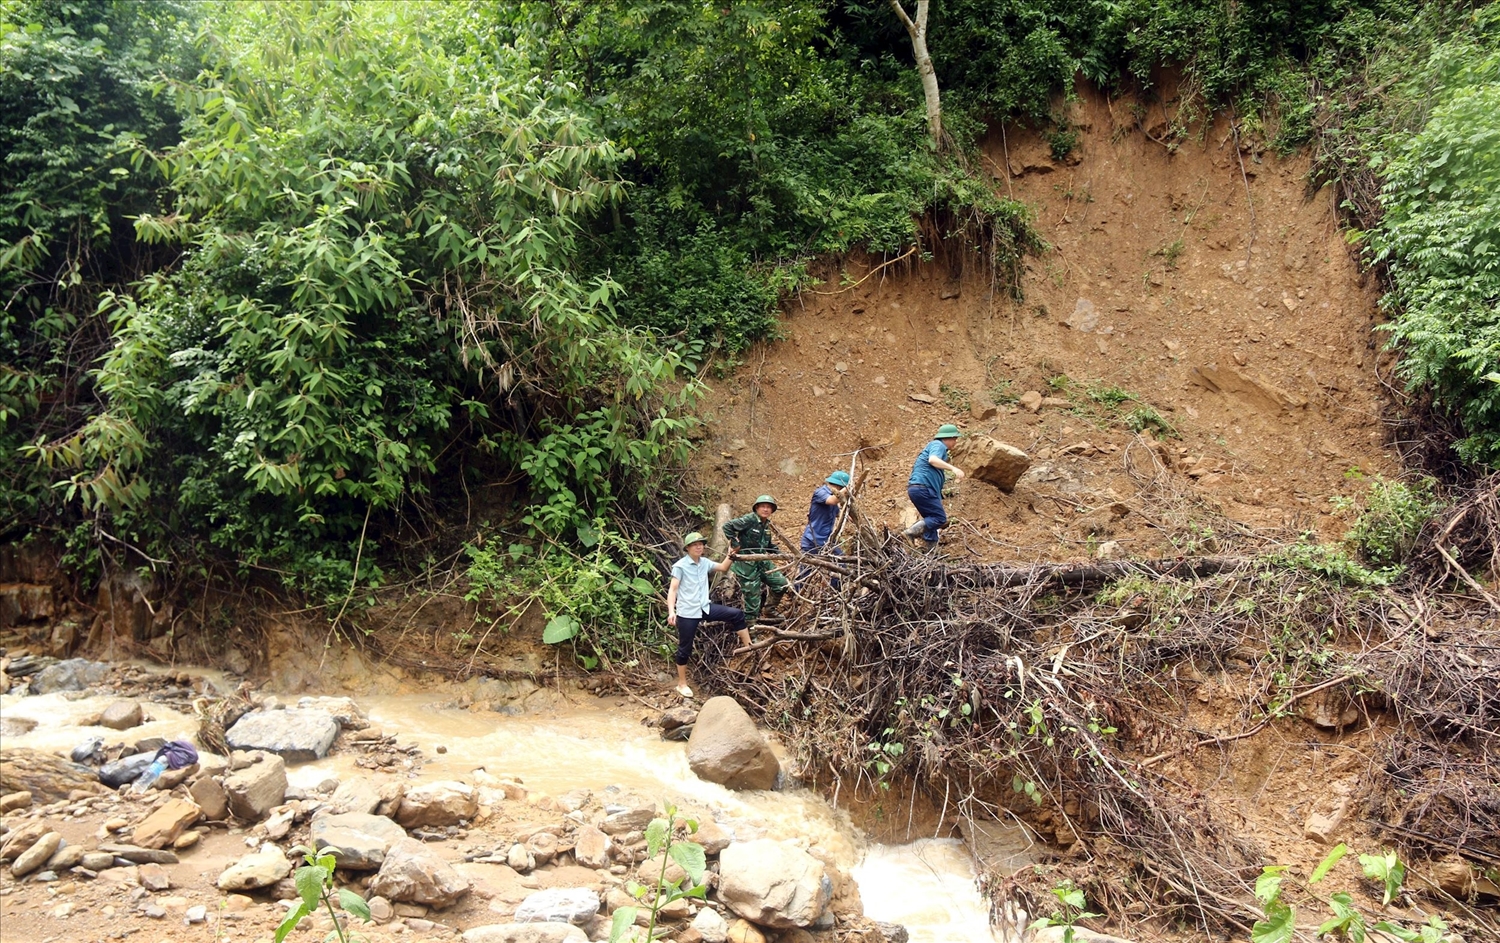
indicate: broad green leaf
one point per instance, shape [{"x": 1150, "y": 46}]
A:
[
  {"x": 1326, "y": 865},
  {"x": 309, "y": 881},
  {"x": 292, "y": 919},
  {"x": 1268, "y": 884},
  {"x": 642, "y": 586},
  {"x": 656, "y": 837},
  {"x": 623, "y": 920},
  {"x": 355, "y": 904},
  {"x": 560, "y": 629},
  {"x": 1279, "y": 926},
  {"x": 691, "y": 858},
  {"x": 1396, "y": 930}
]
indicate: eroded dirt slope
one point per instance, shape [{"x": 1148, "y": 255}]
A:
[{"x": 1225, "y": 300}]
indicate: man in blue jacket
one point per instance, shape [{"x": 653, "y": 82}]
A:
[
  {"x": 822, "y": 514},
  {"x": 925, "y": 486}
]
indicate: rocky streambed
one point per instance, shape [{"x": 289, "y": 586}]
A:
[{"x": 450, "y": 823}]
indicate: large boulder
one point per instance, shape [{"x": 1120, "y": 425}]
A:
[
  {"x": 773, "y": 884},
  {"x": 362, "y": 839},
  {"x": 161, "y": 828},
  {"x": 413, "y": 873},
  {"x": 573, "y": 905},
  {"x": 122, "y": 715},
  {"x": 37, "y": 855},
  {"x": 257, "y": 788},
  {"x": 992, "y": 461},
  {"x": 437, "y": 804},
  {"x": 726, "y": 748},
  {"x": 210, "y": 796},
  {"x": 355, "y": 795},
  {"x": 591, "y": 847},
  {"x": 525, "y": 933},
  {"x": 296, "y": 736},
  {"x": 75, "y": 674},
  {"x": 260, "y": 869},
  {"x": 48, "y": 778}
]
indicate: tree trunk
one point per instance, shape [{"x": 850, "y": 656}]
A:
[{"x": 918, "y": 33}]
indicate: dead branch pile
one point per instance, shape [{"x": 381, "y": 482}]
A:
[{"x": 1060, "y": 694}]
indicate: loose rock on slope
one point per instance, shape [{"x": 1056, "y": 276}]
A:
[{"x": 726, "y": 748}]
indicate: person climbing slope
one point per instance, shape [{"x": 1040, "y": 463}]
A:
[
  {"x": 925, "y": 486},
  {"x": 822, "y": 513},
  {"x": 688, "y": 606},
  {"x": 751, "y": 534}
]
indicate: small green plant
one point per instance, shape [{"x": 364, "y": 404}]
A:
[
  {"x": 1059, "y": 383},
  {"x": 314, "y": 882},
  {"x": 1141, "y": 418},
  {"x": 1330, "y": 563},
  {"x": 1385, "y": 870},
  {"x": 1171, "y": 252},
  {"x": 1003, "y": 393},
  {"x": 1072, "y": 909},
  {"x": 1110, "y": 396},
  {"x": 1394, "y": 513},
  {"x": 1062, "y": 141},
  {"x": 1280, "y": 921},
  {"x": 688, "y": 855},
  {"x": 956, "y": 398},
  {"x": 883, "y": 756},
  {"x": 1434, "y": 931}
]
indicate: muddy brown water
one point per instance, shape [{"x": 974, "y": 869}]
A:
[{"x": 927, "y": 884}]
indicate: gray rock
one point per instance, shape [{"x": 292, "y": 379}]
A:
[
  {"x": 260, "y": 869},
  {"x": 591, "y": 847},
  {"x": 209, "y": 793},
  {"x": 437, "y": 804},
  {"x": 630, "y": 820},
  {"x": 773, "y": 884},
  {"x": 679, "y": 716},
  {"x": 726, "y": 748},
  {"x": 75, "y": 674},
  {"x": 122, "y": 715},
  {"x": 296, "y": 736},
  {"x": 195, "y": 914},
  {"x": 342, "y": 709},
  {"x": 573, "y": 905},
  {"x": 126, "y": 770},
  {"x": 354, "y": 795},
  {"x": 153, "y": 877},
  {"x": 138, "y": 855},
  {"x": 526, "y": 933},
  {"x": 413, "y": 873},
  {"x": 892, "y": 932},
  {"x": 97, "y": 860},
  {"x": 361, "y": 838},
  {"x": 36, "y": 856},
  {"x": 68, "y": 856},
  {"x": 520, "y": 859},
  {"x": 711, "y": 926},
  {"x": 678, "y": 734},
  {"x": 257, "y": 789}
]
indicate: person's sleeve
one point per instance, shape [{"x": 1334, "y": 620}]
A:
[
  {"x": 942, "y": 450},
  {"x": 733, "y": 528}
]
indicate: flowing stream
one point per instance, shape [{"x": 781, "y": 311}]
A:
[{"x": 927, "y": 884}]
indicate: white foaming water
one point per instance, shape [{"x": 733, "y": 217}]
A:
[{"x": 927, "y": 885}]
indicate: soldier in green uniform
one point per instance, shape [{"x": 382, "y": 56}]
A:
[{"x": 751, "y": 534}]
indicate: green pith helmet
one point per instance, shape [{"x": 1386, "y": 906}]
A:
[
  {"x": 693, "y": 537},
  {"x": 764, "y": 499},
  {"x": 840, "y": 478},
  {"x": 947, "y": 431}
]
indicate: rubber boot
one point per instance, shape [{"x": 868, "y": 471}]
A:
[
  {"x": 768, "y": 614},
  {"x": 916, "y": 530},
  {"x": 928, "y": 547}
]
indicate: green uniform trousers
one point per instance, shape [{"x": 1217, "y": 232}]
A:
[{"x": 752, "y": 574}]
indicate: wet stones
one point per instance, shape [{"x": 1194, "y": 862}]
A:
[
  {"x": 75, "y": 674},
  {"x": 354, "y": 795},
  {"x": 525, "y": 933},
  {"x": 627, "y": 820},
  {"x": 413, "y": 873},
  {"x": 260, "y": 869},
  {"x": 122, "y": 715},
  {"x": 437, "y": 804},
  {"x": 726, "y": 748},
  {"x": 773, "y": 884},
  {"x": 297, "y": 736},
  {"x": 256, "y": 788},
  {"x": 362, "y": 839},
  {"x": 208, "y": 792},
  {"x": 138, "y": 855}
]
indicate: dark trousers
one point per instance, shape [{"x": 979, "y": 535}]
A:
[
  {"x": 809, "y": 545},
  {"x": 929, "y": 504},
  {"x": 688, "y": 628}
]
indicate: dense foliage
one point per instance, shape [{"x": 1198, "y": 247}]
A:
[{"x": 285, "y": 280}]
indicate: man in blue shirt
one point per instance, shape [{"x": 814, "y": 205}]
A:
[
  {"x": 822, "y": 513},
  {"x": 925, "y": 486},
  {"x": 688, "y": 605}
]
